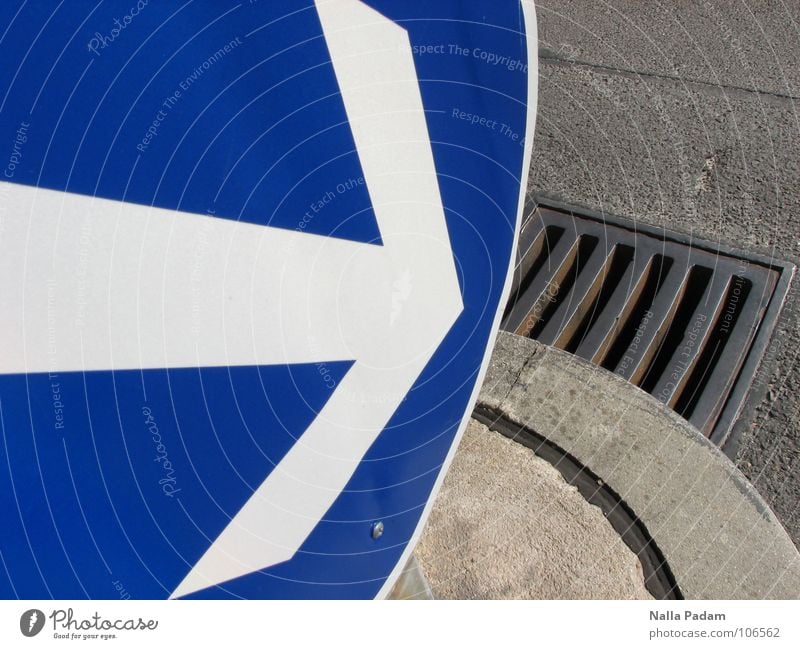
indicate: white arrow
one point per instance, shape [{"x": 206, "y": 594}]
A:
[{"x": 92, "y": 284}]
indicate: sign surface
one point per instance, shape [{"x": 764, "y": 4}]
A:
[{"x": 251, "y": 262}]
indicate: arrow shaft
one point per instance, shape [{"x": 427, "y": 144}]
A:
[{"x": 91, "y": 284}]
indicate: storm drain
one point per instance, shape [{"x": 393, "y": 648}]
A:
[{"x": 682, "y": 319}]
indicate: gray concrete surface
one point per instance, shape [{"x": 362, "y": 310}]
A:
[
  {"x": 412, "y": 583},
  {"x": 684, "y": 114},
  {"x": 718, "y": 536},
  {"x": 507, "y": 526},
  {"x": 750, "y": 44}
]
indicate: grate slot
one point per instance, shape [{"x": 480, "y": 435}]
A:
[
  {"x": 571, "y": 309},
  {"x": 606, "y": 283},
  {"x": 724, "y": 356},
  {"x": 617, "y": 313},
  {"x": 668, "y": 384},
  {"x": 638, "y": 319},
  {"x": 535, "y": 297},
  {"x": 635, "y": 363},
  {"x": 535, "y": 244},
  {"x": 542, "y": 247},
  {"x": 560, "y": 287},
  {"x": 698, "y": 283}
]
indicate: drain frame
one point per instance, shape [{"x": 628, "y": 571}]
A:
[{"x": 743, "y": 390}]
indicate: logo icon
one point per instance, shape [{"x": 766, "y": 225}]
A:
[{"x": 31, "y": 622}]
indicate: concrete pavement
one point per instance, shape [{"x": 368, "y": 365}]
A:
[
  {"x": 507, "y": 526},
  {"x": 684, "y": 115}
]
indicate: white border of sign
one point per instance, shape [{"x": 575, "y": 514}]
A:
[{"x": 529, "y": 16}]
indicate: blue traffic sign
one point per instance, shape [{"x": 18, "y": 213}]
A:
[{"x": 252, "y": 258}]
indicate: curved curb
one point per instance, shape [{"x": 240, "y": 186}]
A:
[
  {"x": 718, "y": 536},
  {"x": 658, "y": 580}
]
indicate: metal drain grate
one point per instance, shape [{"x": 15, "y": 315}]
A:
[{"x": 683, "y": 319}]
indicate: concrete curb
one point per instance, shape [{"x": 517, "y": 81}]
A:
[{"x": 718, "y": 536}]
